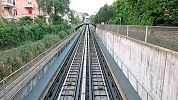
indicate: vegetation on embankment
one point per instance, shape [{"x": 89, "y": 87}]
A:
[
  {"x": 26, "y": 53},
  {"x": 16, "y": 33},
  {"x": 30, "y": 40}
]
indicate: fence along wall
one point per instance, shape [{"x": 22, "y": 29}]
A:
[
  {"x": 166, "y": 37},
  {"x": 151, "y": 70}
]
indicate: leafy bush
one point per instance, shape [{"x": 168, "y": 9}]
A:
[
  {"x": 25, "y": 21},
  {"x": 27, "y": 52},
  {"x": 32, "y": 49},
  {"x": 57, "y": 20},
  {"x": 14, "y": 34},
  {"x": 49, "y": 40},
  {"x": 40, "y": 47},
  {"x": 40, "y": 20}
]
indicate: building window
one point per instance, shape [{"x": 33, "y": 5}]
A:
[
  {"x": 14, "y": 2},
  {"x": 30, "y": 11},
  {"x": 15, "y": 13},
  {"x": 29, "y": 1}
]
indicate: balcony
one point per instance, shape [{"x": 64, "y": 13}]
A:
[
  {"x": 9, "y": 17},
  {"x": 30, "y": 15},
  {"x": 7, "y": 3},
  {"x": 28, "y": 6}
]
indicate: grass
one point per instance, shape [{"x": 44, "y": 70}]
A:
[
  {"x": 138, "y": 36},
  {"x": 164, "y": 41}
]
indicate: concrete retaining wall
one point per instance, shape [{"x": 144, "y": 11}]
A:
[{"x": 152, "y": 70}]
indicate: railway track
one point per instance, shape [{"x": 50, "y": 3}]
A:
[{"x": 84, "y": 74}]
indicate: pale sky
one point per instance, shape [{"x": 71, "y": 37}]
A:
[{"x": 88, "y": 6}]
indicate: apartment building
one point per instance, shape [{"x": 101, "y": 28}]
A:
[
  {"x": 14, "y": 9},
  {"x": 26, "y": 8}
]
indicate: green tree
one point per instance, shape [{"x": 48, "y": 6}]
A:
[
  {"x": 139, "y": 12},
  {"x": 55, "y": 8},
  {"x": 73, "y": 19},
  {"x": 146, "y": 12},
  {"x": 92, "y": 18},
  {"x": 105, "y": 14}
]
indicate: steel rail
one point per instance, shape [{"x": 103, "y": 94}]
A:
[
  {"x": 71, "y": 87},
  {"x": 57, "y": 84},
  {"x": 98, "y": 86},
  {"x": 113, "y": 91},
  {"x": 85, "y": 74}
]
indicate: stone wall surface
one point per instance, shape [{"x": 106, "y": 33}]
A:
[{"x": 151, "y": 70}]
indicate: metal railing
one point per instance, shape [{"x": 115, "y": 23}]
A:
[
  {"x": 162, "y": 36},
  {"x": 7, "y": 3}
]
